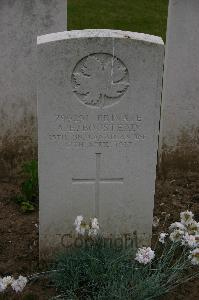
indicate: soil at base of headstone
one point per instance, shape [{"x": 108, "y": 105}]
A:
[{"x": 19, "y": 232}]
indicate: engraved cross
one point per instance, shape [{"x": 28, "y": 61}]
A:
[{"x": 97, "y": 181}]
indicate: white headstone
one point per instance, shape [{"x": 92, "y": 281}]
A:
[
  {"x": 20, "y": 23},
  {"x": 180, "y": 108},
  {"x": 98, "y": 113}
]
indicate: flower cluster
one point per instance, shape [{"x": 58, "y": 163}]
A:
[
  {"x": 185, "y": 232},
  {"x": 83, "y": 228},
  {"x": 17, "y": 284},
  {"x": 145, "y": 255}
]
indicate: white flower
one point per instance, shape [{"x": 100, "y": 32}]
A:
[
  {"x": 144, "y": 255},
  {"x": 176, "y": 235},
  {"x": 189, "y": 240},
  {"x": 82, "y": 230},
  {"x": 177, "y": 225},
  {"x": 94, "y": 227},
  {"x": 19, "y": 284},
  {"x": 2, "y": 286},
  {"x": 80, "y": 227},
  {"x": 93, "y": 232},
  {"x": 194, "y": 256},
  {"x": 193, "y": 228},
  {"x": 7, "y": 280},
  {"x": 78, "y": 221},
  {"x": 156, "y": 221},
  {"x": 94, "y": 223},
  {"x": 186, "y": 217},
  {"x": 162, "y": 237}
]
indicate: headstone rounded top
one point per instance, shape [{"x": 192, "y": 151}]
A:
[{"x": 100, "y": 33}]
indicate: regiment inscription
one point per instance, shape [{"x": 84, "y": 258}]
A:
[{"x": 106, "y": 130}]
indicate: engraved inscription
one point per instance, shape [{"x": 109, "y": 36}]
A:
[
  {"x": 100, "y": 80},
  {"x": 102, "y": 131}
]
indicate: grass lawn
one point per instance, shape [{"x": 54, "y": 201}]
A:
[{"x": 148, "y": 16}]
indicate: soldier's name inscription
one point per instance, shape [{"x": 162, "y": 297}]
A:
[{"x": 103, "y": 130}]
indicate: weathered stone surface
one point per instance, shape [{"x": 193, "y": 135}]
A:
[
  {"x": 20, "y": 23},
  {"x": 98, "y": 113},
  {"x": 180, "y": 109}
]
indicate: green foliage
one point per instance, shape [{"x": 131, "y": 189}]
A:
[
  {"x": 131, "y": 15},
  {"x": 101, "y": 272},
  {"x": 28, "y": 197},
  {"x": 30, "y": 185}
]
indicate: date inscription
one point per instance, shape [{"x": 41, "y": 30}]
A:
[{"x": 101, "y": 130}]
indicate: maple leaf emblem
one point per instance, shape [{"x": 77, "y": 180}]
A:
[{"x": 100, "y": 80}]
